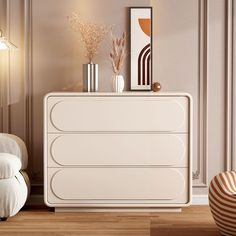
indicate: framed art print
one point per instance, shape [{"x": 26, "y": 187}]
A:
[{"x": 140, "y": 48}]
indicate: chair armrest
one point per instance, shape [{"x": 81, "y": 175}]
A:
[{"x": 12, "y": 144}]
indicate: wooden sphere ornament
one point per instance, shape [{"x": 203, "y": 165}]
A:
[{"x": 156, "y": 87}]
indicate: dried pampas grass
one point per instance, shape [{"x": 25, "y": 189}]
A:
[
  {"x": 91, "y": 34},
  {"x": 118, "y": 53}
]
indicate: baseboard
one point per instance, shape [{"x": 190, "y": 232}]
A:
[
  {"x": 200, "y": 200},
  {"x": 37, "y": 199}
]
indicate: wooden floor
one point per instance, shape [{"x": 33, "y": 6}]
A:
[{"x": 194, "y": 221}]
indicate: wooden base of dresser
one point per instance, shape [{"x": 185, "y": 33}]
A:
[{"x": 109, "y": 209}]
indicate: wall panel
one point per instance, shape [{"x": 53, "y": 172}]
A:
[{"x": 190, "y": 38}]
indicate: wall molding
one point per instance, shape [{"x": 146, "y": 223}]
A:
[
  {"x": 229, "y": 85},
  {"x": 28, "y": 96},
  {"x": 230, "y": 102},
  {"x": 5, "y": 80},
  {"x": 200, "y": 175}
]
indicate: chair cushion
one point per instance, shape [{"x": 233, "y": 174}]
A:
[
  {"x": 13, "y": 195},
  {"x": 10, "y": 165},
  {"x": 12, "y": 144}
]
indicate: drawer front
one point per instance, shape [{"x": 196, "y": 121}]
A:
[
  {"x": 80, "y": 185},
  {"x": 81, "y": 114},
  {"x": 118, "y": 149}
]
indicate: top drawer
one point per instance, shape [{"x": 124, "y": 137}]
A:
[{"x": 117, "y": 114}]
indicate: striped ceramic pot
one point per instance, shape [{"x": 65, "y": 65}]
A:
[{"x": 222, "y": 200}]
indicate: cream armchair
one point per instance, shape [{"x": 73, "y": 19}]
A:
[{"x": 14, "y": 182}]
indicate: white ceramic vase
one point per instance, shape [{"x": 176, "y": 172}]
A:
[{"x": 118, "y": 83}]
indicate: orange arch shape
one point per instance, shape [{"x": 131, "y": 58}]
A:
[{"x": 145, "y": 25}]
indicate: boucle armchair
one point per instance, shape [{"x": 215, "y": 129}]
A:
[
  {"x": 14, "y": 182},
  {"x": 222, "y": 200}
]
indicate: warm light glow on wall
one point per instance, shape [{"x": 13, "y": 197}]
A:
[{"x": 5, "y": 44}]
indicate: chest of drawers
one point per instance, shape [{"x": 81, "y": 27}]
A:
[{"x": 108, "y": 150}]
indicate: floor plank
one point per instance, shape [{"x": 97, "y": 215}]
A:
[{"x": 195, "y": 220}]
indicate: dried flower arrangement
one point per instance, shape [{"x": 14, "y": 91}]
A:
[
  {"x": 91, "y": 34},
  {"x": 118, "y": 53}
]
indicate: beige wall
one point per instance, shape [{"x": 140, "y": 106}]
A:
[{"x": 190, "y": 47}]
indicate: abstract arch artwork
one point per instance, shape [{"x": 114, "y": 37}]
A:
[{"x": 140, "y": 48}]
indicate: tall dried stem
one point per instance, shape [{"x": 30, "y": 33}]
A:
[
  {"x": 118, "y": 53},
  {"x": 91, "y": 34}
]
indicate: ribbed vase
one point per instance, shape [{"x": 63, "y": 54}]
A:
[
  {"x": 90, "y": 77},
  {"x": 118, "y": 84}
]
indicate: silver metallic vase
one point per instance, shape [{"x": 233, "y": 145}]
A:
[{"x": 90, "y": 77}]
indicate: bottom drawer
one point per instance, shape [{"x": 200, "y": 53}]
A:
[{"x": 117, "y": 185}]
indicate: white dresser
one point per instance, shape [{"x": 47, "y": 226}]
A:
[{"x": 108, "y": 150}]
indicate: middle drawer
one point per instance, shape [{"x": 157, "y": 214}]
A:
[{"x": 117, "y": 149}]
